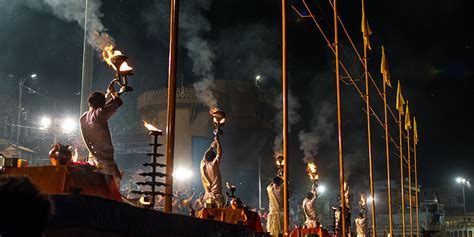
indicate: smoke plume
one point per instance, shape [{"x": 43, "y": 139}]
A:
[
  {"x": 74, "y": 11},
  {"x": 320, "y": 133},
  {"x": 293, "y": 118},
  {"x": 193, "y": 27}
]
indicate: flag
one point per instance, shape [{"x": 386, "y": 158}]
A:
[
  {"x": 366, "y": 32},
  {"x": 384, "y": 69},
  {"x": 400, "y": 100},
  {"x": 407, "y": 119},
  {"x": 415, "y": 131}
]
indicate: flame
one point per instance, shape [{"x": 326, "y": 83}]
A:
[
  {"x": 108, "y": 53},
  {"x": 222, "y": 121},
  {"x": 144, "y": 202},
  {"x": 311, "y": 167},
  {"x": 150, "y": 127},
  {"x": 125, "y": 67},
  {"x": 213, "y": 110},
  {"x": 362, "y": 200}
]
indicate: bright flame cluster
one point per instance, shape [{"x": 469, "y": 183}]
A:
[
  {"x": 109, "y": 53},
  {"x": 312, "y": 171}
]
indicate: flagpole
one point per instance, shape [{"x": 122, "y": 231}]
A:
[
  {"x": 369, "y": 140},
  {"x": 401, "y": 171},
  {"x": 416, "y": 181},
  {"x": 286, "y": 216},
  {"x": 387, "y": 153},
  {"x": 339, "y": 127},
  {"x": 409, "y": 177}
]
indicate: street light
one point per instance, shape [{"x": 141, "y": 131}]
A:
[
  {"x": 464, "y": 182},
  {"x": 321, "y": 189},
  {"x": 182, "y": 174},
  {"x": 45, "y": 122}
]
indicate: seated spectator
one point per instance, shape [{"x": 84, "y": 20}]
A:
[{"x": 25, "y": 211}]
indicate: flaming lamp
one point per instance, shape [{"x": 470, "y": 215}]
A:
[
  {"x": 218, "y": 117},
  {"x": 148, "y": 200},
  {"x": 312, "y": 172},
  {"x": 280, "y": 163},
  {"x": 118, "y": 62}
]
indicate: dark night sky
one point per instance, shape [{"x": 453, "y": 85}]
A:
[{"x": 428, "y": 44}]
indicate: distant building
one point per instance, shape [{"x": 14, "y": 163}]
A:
[{"x": 247, "y": 133}]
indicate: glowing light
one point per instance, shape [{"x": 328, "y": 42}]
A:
[
  {"x": 321, "y": 189},
  {"x": 33, "y": 75},
  {"x": 370, "y": 199},
  {"x": 45, "y": 122},
  {"x": 182, "y": 174},
  {"x": 258, "y": 77},
  {"x": 150, "y": 126},
  {"x": 68, "y": 125}
]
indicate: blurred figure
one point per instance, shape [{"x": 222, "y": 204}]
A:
[
  {"x": 309, "y": 209},
  {"x": 211, "y": 174},
  {"x": 199, "y": 203},
  {"x": 361, "y": 225},
  {"x": 25, "y": 210},
  {"x": 275, "y": 206}
]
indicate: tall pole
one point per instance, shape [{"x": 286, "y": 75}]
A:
[
  {"x": 171, "y": 111},
  {"x": 339, "y": 125},
  {"x": 401, "y": 172},
  {"x": 286, "y": 214},
  {"x": 87, "y": 58},
  {"x": 416, "y": 188},
  {"x": 387, "y": 154},
  {"x": 409, "y": 181},
  {"x": 259, "y": 182},
  {"x": 20, "y": 106},
  {"x": 369, "y": 140},
  {"x": 464, "y": 206}
]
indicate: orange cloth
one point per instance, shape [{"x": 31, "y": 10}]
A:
[
  {"x": 299, "y": 232},
  {"x": 233, "y": 216},
  {"x": 67, "y": 179}
]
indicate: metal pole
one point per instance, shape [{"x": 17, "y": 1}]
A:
[
  {"x": 464, "y": 206},
  {"x": 339, "y": 125},
  {"x": 87, "y": 64},
  {"x": 259, "y": 182},
  {"x": 286, "y": 216},
  {"x": 409, "y": 181},
  {"x": 401, "y": 172},
  {"x": 369, "y": 141},
  {"x": 416, "y": 189},
  {"x": 387, "y": 154},
  {"x": 171, "y": 111},
  {"x": 18, "y": 122}
]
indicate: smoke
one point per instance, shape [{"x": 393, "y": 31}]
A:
[
  {"x": 320, "y": 133},
  {"x": 74, "y": 11},
  {"x": 193, "y": 28},
  {"x": 293, "y": 118}
]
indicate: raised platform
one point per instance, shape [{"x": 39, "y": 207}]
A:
[{"x": 78, "y": 215}]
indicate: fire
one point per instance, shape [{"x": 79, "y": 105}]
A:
[
  {"x": 311, "y": 167},
  {"x": 312, "y": 171},
  {"x": 150, "y": 127},
  {"x": 145, "y": 201},
  {"x": 362, "y": 200},
  {"x": 125, "y": 68},
  {"x": 108, "y": 54}
]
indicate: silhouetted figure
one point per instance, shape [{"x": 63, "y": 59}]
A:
[
  {"x": 211, "y": 174},
  {"x": 96, "y": 134},
  {"x": 25, "y": 211}
]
